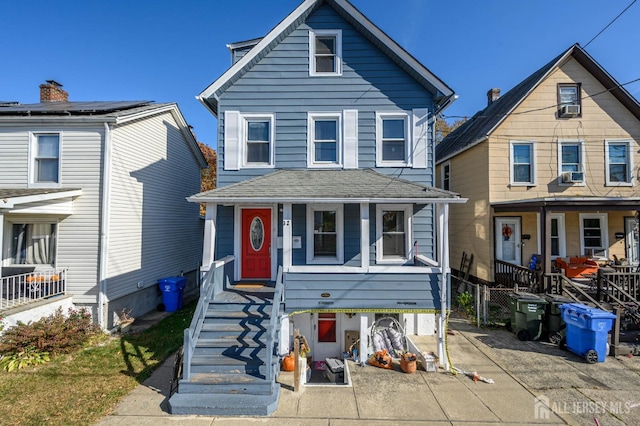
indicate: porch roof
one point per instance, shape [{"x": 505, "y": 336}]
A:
[
  {"x": 343, "y": 186},
  {"x": 568, "y": 204},
  {"x": 10, "y": 197}
]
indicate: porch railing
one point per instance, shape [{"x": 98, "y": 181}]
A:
[
  {"x": 213, "y": 284},
  {"x": 515, "y": 276},
  {"x": 22, "y": 289},
  {"x": 274, "y": 325}
]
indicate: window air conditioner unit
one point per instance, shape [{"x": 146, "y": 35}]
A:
[
  {"x": 570, "y": 110},
  {"x": 572, "y": 177}
]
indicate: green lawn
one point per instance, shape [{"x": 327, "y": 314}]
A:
[{"x": 81, "y": 387}]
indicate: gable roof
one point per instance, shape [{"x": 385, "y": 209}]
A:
[
  {"x": 318, "y": 186},
  {"x": 484, "y": 122},
  {"x": 209, "y": 96}
]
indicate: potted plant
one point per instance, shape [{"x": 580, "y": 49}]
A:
[
  {"x": 125, "y": 320},
  {"x": 408, "y": 362}
]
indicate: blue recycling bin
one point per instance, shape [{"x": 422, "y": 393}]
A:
[
  {"x": 172, "y": 289},
  {"x": 587, "y": 330}
]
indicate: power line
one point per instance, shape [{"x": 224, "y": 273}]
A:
[{"x": 609, "y": 24}]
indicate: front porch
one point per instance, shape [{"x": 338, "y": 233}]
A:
[{"x": 23, "y": 289}]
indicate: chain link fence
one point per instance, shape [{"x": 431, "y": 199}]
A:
[{"x": 486, "y": 306}]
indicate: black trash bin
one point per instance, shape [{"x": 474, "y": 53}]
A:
[
  {"x": 554, "y": 325},
  {"x": 526, "y": 315}
]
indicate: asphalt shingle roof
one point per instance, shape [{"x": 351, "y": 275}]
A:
[
  {"x": 323, "y": 185},
  {"x": 84, "y": 108}
]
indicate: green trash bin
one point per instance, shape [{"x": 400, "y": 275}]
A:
[
  {"x": 527, "y": 311},
  {"x": 554, "y": 325}
]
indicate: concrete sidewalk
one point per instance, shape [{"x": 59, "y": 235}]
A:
[{"x": 376, "y": 397}]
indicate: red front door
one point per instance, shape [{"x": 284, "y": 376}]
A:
[{"x": 256, "y": 243}]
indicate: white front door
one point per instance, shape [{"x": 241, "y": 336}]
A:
[
  {"x": 507, "y": 237},
  {"x": 326, "y": 336},
  {"x": 631, "y": 239}
]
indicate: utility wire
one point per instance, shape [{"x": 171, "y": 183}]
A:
[{"x": 609, "y": 24}]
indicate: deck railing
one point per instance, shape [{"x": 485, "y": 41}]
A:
[
  {"x": 23, "y": 289},
  {"x": 515, "y": 276},
  {"x": 213, "y": 283}
]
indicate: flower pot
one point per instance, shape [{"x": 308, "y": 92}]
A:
[{"x": 408, "y": 366}]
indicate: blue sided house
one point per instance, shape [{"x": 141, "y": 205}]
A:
[{"x": 325, "y": 217}]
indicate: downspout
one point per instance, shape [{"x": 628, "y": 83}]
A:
[{"x": 104, "y": 226}]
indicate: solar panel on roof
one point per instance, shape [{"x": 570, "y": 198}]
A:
[{"x": 73, "y": 108}]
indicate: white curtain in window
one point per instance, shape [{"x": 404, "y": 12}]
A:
[{"x": 39, "y": 240}]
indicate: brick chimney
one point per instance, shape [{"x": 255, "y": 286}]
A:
[
  {"x": 492, "y": 95},
  {"x": 52, "y": 92}
]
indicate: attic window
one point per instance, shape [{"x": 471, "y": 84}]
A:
[
  {"x": 325, "y": 53},
  {"x": 569, "y": 104}
]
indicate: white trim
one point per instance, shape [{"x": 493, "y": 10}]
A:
[
  {"x": 105, "y": 223},
  {"x": 2, "y": 242},
  {"x": 311, "y": 119},
  {"x": 630, "y": 164},
  {"x": 562, "y": 235},
  {"x": 311, "y": 258},
  {"x": 244, "y": 149},
  {"x": 350, "y": 138},
  {"x": 265, "y": 200},
  {"x": 29, "y": 220},
  {"x": 380, "y": 117},
  {"x": 287, "y": 235},
  {"x": 364, "y": 235},
  {"x": 580, "y": 143},
  {"x": 337, "y": 70},
  {"x": 33, "y": 148},
  {"x": 231, "y": 144},
  {"x": 419, "y": 144},
  {"x": 532, "y": 165},
  {"x": 604, "y": 230},
  {"x": 377, "y": 269},
  {"x": 408, "y": 219},
  {"x": 209, "y": 242},
  {"x": 516, "y": 233},
  {"x": 9, "y": 203}
]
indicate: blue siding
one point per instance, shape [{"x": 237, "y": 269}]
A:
[
  {"x": 224, "y": 232},
  {"x": 279, "y": 83},
  {"x": 362, "y": 291},
  {"x": 299, "y": 227}
]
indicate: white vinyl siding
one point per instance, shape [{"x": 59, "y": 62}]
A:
[
  {"x": 153, "y": 231},
  {"x": 618, "y": 159},
  {"x": 14, "y": 158}
]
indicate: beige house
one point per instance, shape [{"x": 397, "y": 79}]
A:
[{"x": 550, "y": 168}]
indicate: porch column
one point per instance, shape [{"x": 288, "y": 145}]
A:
[
  {"x": 442, "y": 229},
  {"x": 364, "y": 235},
  {"x": 545, "y": 231},
  {"x": 209, "y": 244},
  {"x": 364, "y": 332},
  {"x": 286, "y": 238},
  {"x": 2, "y": 253}
]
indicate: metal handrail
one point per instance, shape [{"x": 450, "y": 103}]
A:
[
  {"x": 22, "y": 289},
  {"x": 212, "y": 285},
  {"x": 278, "y": 298}
]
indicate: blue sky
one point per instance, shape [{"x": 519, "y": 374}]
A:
[{"x": 169, "y": 51}]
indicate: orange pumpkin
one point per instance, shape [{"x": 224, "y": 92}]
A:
[
  {"x": 288, "y": 363},
  {"x": 55, "y": 277},
  {"x": 31, "y": 279}
]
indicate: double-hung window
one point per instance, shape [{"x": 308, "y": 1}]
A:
[
  {"x": 258, "y": 140},
  {"x": 569, "y": 103},
  {"x": 325, "y": 52},
  {"x": 619, "y": 162},
  {"x": 33, "y": 243},
  {"x": 325, "y": 141},
  {"x": 594, "y": 234},
  {"x": 446, "y": 176},
  {"x": 571, "y": 162},
  {"x": 325, "y": 234},
  {"x": 392, "y": 140},
  {"x": 393, "y": 233},
  {"x": 523, "y": 163},
  {"x": 45, "y": 159}
]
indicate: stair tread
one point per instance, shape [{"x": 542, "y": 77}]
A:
[
  {"x": 227, "y": 378},
  {"x": 230, "y": 342},
  {"x": 213, "y": 326},
  {"x": 216, "y": 313},
  {"x": 219, "y": 359}
]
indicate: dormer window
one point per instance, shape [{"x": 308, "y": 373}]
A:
[
  {"x": 569, "y": 100},
  {"x": 325, "y": 53}
]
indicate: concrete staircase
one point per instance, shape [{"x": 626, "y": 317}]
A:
[{"x": 230, "y": 373}]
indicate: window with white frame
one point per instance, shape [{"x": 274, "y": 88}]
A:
[
  {"x": 45, "y": 153},
  {"x": 325, "y": 234},
  {"x": 594, "y": 234},
  {"x": 523, "y": 163},
  {"x": 258, "y": 140},
  {"x": 33, "y": 243},
  {"x": 393, "y": 233},
  {"x": 392, "y": 139},
  {"x": 569, "y": 102},
  {"x": 557, "y": 235},
  {"x": 619, "y": 162},
  {"x": 446, "y": 176},
  {"x": 325, "y": 141},
  {"x": 571, "y": 162},
  {"x": 325, "y": 52}
]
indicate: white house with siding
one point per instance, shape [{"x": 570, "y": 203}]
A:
[{"x": 92, "y": 202}]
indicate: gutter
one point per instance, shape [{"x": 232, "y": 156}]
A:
[{"x": 104, "y": 225}]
